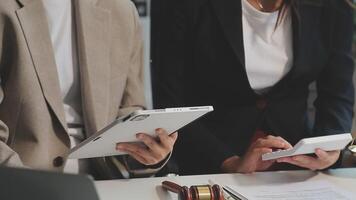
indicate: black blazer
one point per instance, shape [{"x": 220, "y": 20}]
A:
[{"x": 203, "y": 63}]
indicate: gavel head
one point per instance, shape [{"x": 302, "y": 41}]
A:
[{"x": 199, "y": 192}]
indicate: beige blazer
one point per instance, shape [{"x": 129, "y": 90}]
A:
[{"x": 33, "y": 129}]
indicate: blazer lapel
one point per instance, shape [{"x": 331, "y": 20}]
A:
[
  {"x": 304, "y": 28},
  {"x": 34, "y": 25},
  {"x": 229, "y": 13},
  {"x": 94, "y": 59}
]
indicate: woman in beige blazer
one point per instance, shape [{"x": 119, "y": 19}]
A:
[{"x": 34, "y": 128}]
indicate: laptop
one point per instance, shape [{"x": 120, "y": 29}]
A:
[{"x": 21, "y": 184}]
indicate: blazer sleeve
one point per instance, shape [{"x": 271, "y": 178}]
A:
[
  {"x": 134, "y": 99},
  {"x": 170, "y": 75},
  {"x": 334, "y": 104},
  {"x": 8, "y": 157},
  {"x": 134, "y": 94}
]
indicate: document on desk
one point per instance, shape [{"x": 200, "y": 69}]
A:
[{"x": 310, "y": 190}]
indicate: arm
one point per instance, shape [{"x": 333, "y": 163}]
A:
[
  {"x": 8, "y": 157},
  {"x": 142, "y": 161},
  {"x": 334, "y": 104},
  {"x": 335, "y": 89},
  {"x": 133, "y": 97}
]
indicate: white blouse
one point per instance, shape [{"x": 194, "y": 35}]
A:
[{"x": 268, "y": 51}]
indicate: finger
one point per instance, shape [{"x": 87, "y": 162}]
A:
[
  {"x": 157, "y": 150},
  {"x": 286, "y": 159},
  {"x": 256, "y": 159},
  {"x": 150, "y": 142},
  {"x": 166, "y": 141},
  {"x": 287, "y": 144},
  {"x": 150, "y": 157},
  {"x": 271, "y": 143},
  {"x": 138, "y": 157},
  {"x": 327, "y": 156},
  {"x": 258, "y": 152},
  {"x": 135, "y": 148},
  {"x": 301, "y": 161},
  {"x": 143, "y": 160},
  {"x": 322, "y": 155},
  {"x": 174, "y": 136},
  {"x": 265, "y": 150},
  {"x": 304, "y": 159},
  {"x": 292, "y": 162}
]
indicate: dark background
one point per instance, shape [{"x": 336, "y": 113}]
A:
[{"x": 160, "y": 19}]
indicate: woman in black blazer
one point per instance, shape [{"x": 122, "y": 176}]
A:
[{"x": 204, "y": 63}]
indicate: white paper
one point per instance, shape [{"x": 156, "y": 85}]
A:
[{"x": 310, "y": 190}]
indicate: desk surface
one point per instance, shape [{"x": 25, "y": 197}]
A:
[{"x": 149, "y": 189}]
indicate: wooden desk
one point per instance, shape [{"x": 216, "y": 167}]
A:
[{"x": 149, "y": 189}]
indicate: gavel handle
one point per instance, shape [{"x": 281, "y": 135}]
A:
[{"x": 170, "y": 186}]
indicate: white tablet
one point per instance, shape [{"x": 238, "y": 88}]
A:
[
  {"x": 309, "y": 145},
  {"x": 125, "y": 129}
]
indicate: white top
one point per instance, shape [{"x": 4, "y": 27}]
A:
[
  {"x": 268, "y": 51},
  {"x": 62, "y": 31}
]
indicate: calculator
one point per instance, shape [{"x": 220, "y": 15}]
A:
[{"x": 309, "y": 145}]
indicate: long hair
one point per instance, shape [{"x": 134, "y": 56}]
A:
[
  {"x": 351, "y": 4},
  {"x": 291, "y": 4},
  {"x": 286, "y": 5}
]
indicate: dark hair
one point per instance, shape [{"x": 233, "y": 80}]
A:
[
  {"x": 291, "y": 4},
  {"x": 351, "y": 4},
  {"x": 286, "y": 5}
]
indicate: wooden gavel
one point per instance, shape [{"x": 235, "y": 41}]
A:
[{"x": 198, "y": 192}]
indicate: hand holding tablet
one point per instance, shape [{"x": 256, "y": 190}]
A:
[
  {"x": 125, "y": 130},
  {"x": 153, "y": 149}
]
